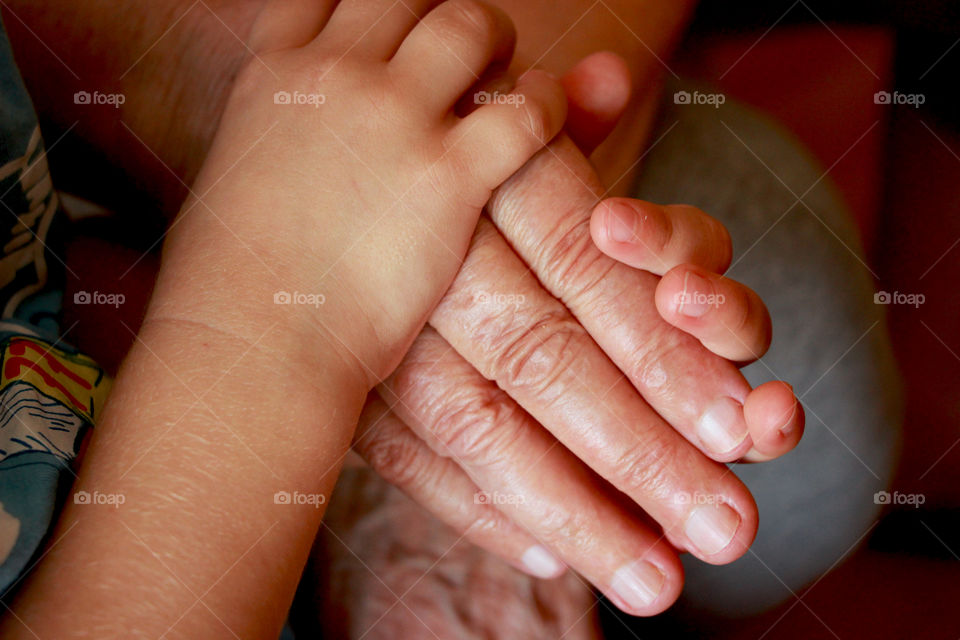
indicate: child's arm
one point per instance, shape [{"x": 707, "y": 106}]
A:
[
  {"x": 202, "y": 432},
  {"x": 332, "y": 213},
  {"x": 542, "y": 193}
]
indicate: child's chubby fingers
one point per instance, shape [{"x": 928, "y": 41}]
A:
[
  {"x": 658, "y": 238},
  {"x": 375, "y": 27},
  {"x": 493, "y": 142},
  {"x": 728, "y": 318},
  {"x": 775, "y": 418},
  {"x": 451, "y": 49}
]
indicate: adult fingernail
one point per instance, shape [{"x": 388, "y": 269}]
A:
[
  {"x": 542, "y": 563},
  {"x": 621, "y": 222},
  {"x": 721, "y": 428},
  {"x": 697, "y": 297},
  {"x": 711, "y": 527},
  {"x": 638, "y": 584}
]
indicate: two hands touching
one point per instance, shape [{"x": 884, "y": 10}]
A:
[
  {"x": 543, "y": 339},
  {"x": 577, "y": 386},
  {"x": 604, "y": 326},
  {"x": 573, "y": 358}
]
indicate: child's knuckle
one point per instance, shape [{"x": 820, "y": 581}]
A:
[{"x": 537, "y": 120}]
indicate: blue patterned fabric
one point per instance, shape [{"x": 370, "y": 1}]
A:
[{"x": 49, "y": 393}]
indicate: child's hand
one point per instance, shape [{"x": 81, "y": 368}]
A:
[
  {"x": 341, "y": 163},
  {"x": 691, "y": 250},
  {"x": 332, "y": 213}
]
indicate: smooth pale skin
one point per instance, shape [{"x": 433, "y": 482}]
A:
[{"x": 227, "y": 397}]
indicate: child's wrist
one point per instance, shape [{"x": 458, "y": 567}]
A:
[{"x": 237, "y": 299}]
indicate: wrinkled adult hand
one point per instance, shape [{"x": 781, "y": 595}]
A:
[
  {"x": 383, "y": 568},
  {"x": 568, "y": 406}
]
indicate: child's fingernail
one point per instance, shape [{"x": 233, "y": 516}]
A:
[
  {"x": 621, "y": 223},
  {"x": 721, "y": 428},
  {"x": 542, "y": 563},
  {"x": 638, "y": 584},
  {"x": 787, "y": 428},
  {"x": 697, "y": 297},
  {"x": 711, "y": 527}
]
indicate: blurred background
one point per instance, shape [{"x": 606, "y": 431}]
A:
[{"x": 813, "y": 65}]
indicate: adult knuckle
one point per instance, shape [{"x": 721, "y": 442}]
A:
[
  {"x": 661, "y": 344},
  {"x": 558, "y": 524},
  {"x": 646, "y": 468},
  {"x": 416, "y": 374},
  {"x": 536, "y": 359},
  {"x": 476, "y": 427},
  {"x": 488, "y": 521},
  {"x": 395, "y": 457},
  {"x": 574, "y": 261},
  {"x": 689, "y": 210}
]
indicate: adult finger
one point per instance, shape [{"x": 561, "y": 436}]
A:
[
  {"x": 524, "y": 471},
  {"x": 518, "y": 335},
  {"x": 439, "y": 485},
  {"x": 544, "y": 211}
]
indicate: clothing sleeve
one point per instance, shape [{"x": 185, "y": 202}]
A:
[{"x": 50, "y": 394}]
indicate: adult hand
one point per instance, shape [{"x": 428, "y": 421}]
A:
[
  {"x": 544, "y": 214},
  {"x": 375, "y": 546},
  {"x": 625, "y": 371}
]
